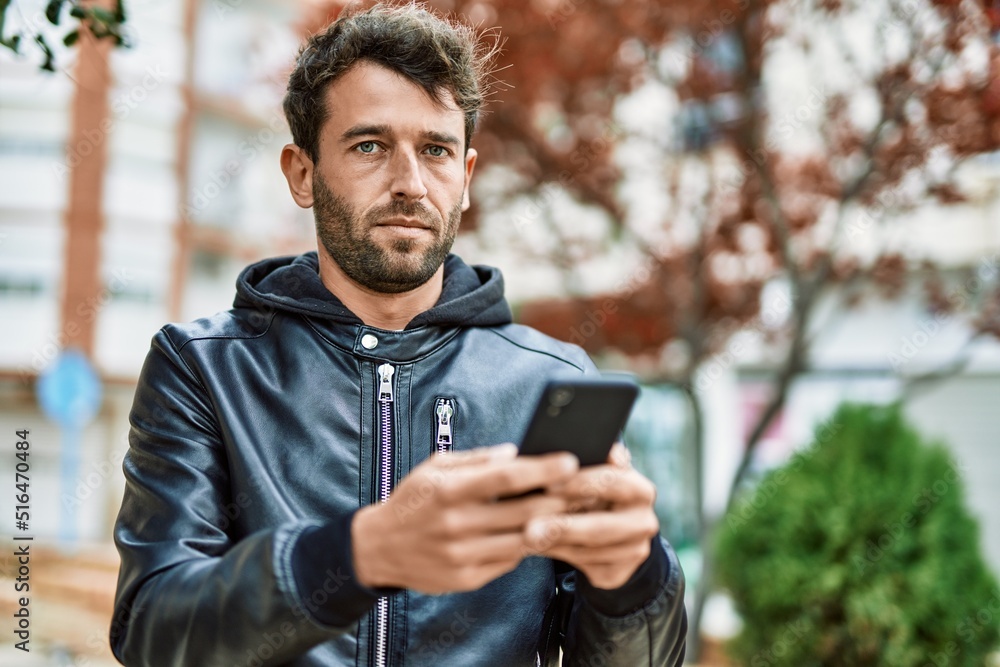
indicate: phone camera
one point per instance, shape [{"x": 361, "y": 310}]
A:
[{"x": 561, "y": 397}]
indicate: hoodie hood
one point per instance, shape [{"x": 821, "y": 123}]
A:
[{"x": 471, "y": 296}]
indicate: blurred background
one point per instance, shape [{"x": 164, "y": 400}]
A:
[{"x": 762, "y": 208}]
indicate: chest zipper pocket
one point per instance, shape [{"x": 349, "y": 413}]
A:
[{"x": 444, "y": 425}]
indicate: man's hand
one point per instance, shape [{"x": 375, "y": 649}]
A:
[
  {"x": 606, "y": 533},
  {"x": 442, "y": 529}
]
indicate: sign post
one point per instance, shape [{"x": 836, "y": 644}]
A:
[{"x": 69, "y": 393}]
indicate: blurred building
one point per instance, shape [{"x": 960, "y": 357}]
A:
[{"x": 107, "y": 234}]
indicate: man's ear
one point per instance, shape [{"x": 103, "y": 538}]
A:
[
  {"x": 298, "y": 170},
  {"x": 470, "y": 165}
]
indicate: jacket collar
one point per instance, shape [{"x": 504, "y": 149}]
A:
[
  {"x": 381, "y": 345},
  {"x": 470, "y": 296}
]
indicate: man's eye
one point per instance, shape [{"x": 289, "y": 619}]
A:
[
  {"x": 437, "y": 151},
  {"x": 367, "y": 146}
]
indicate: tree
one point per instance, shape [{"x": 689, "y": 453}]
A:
[
  {"x": 762, "y": 181},
  {"x": 97, "y": 20},
  {"x": 860, "y": 552}
]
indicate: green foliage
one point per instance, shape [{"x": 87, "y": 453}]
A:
[
  {"x": 860, "y": 552},
  {"x": 102, "y": 23}
]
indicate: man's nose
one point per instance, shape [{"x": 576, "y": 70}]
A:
[{"x": 407, "y": 182}]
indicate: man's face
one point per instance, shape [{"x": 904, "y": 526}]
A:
[{"x": 391, "y": 180}]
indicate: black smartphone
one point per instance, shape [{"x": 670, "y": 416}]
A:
[{"x": 580, "y": 415}]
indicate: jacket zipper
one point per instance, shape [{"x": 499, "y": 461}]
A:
[
  {"x": 385, "y": 400},
  {"x": 444, "y": 410}
]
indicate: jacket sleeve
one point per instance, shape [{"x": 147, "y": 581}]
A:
[
  {"x": 188, "y": 593},
  {"x": 642, "y": 623}
]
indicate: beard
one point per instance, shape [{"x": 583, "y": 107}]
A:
[{"x": 398, "y": 266}]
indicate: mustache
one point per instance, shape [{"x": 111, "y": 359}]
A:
[{"x": 399, "y": 208}]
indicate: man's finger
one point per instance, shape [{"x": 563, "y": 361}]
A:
[
  {"x": 479, "y": 455},
  {"x": 498, "y": 479},
  {"x": 504, "y": 516},
  {"x": 610, "y": 555},
  {"x": 487, "y": 549},
  {"x": 620, "y": 456},
  {"x": 593, "y": 529},
  {"x": 608, "y": 484}
]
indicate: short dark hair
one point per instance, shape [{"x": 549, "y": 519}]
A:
[{"x": 437, "y": 54}]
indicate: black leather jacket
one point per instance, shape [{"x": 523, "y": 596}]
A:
[{"x": 257, "y": 433}]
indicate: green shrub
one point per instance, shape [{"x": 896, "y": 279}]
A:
[{"x": 860, "y": 552}]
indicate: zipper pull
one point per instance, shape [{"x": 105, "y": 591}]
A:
[
  {"x": 385, "y": 372},
  {"x": 444, "y": 412}
]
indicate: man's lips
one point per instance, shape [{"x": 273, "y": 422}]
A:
[
  {"x": 406, "y": 227},
  {"x": 404, "y": 222}
]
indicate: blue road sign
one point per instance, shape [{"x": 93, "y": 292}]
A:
[{"x": 69, "y": 392}]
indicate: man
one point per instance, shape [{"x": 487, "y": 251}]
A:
[{"x": 310, "y": 479}]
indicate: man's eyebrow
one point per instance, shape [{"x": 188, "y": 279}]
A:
[
  {"x": 365, "y": 131},
  {"x": 442, "y": 137}
]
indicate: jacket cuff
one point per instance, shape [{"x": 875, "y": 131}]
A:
[
  {"x": 323, "y": 566},
  {"x": 641, "y": 587}
]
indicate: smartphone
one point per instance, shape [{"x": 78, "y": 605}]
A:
[{"x": 580, "y": 415}]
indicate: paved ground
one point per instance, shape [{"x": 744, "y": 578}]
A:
[{"x": 69, "y": 605}]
